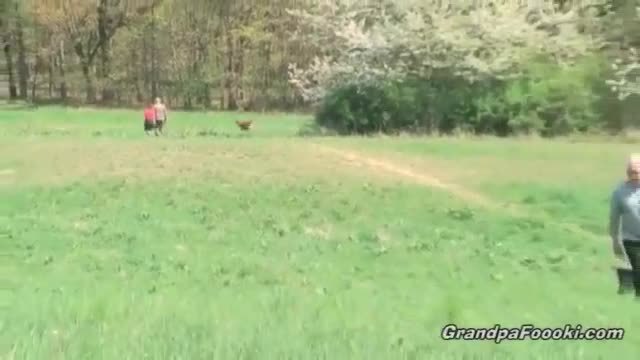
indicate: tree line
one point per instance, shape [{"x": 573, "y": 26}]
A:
[
  {"x": 546, "y": 66},
  {"x": 197, "y": 53}
]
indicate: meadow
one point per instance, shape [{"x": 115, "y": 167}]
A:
[{"x": 209, "y": 243}]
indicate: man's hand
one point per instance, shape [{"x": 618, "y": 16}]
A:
[{"x": 618, "y": 250}]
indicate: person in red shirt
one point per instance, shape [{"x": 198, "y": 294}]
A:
[{"x": 149, "y": 119}]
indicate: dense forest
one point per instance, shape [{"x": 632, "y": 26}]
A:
[{"x": 503, "y": 67}]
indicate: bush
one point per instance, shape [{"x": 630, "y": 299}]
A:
[
  {"x": 547, "y": 100},
  {"x": 368, "y": 109},
  {"x": 552, "y": 100}
]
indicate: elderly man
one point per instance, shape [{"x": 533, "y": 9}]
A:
[{"x": 624, "y": 222}]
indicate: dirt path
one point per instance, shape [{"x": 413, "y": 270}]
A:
[{"x": 378, "y": 165}]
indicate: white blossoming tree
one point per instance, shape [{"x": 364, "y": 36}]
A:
[
  {"x": 626, "y": 80},
  {"x": 627, "y": 76},
  {"x": 369, "y": 43}
]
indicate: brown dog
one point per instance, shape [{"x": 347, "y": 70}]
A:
[{"x": 244, "y": 125}]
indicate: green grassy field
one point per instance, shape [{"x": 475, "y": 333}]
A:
[{"x": 209, "y": 243}]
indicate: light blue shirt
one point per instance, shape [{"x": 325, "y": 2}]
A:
[{"x": 624, "y": 218}]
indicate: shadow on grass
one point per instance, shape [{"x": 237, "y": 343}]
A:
[
  {"x": 12, "y": 105},
  {"x": 315, "y": 130},
  {"x": 190, "y": 133}
]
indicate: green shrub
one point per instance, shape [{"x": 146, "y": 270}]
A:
[
  {"x": 552, "y": 100},
  {"x": 382, "y": 108},
  {"x": 548, "y": 100}
]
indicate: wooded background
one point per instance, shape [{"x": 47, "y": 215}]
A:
[
  {"x": 195, "y": 53},
  {"x": 267, "y": 54}
]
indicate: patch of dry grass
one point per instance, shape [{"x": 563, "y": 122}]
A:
[{"x": 56, "y": 162}]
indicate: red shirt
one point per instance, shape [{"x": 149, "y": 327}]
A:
[{"x": 149, "y": 114}]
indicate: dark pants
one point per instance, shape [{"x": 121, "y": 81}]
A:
[
  {"x": 632, "y": 248},
  {"x": 149, "y": 125}
]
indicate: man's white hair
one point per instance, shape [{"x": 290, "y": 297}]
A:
[{"x": 634, "y": 160}]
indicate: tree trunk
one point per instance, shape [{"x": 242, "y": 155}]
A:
[
  {"x": 51, "y": 79},
  {"x": 220, "y": 61},
  {"x": 238, "y": 72},
  {"x": 146, "y": 72},
  {"x": 202, "y": 58},
  {"x": 13, "y": 91},
  {"x": 89, "y": 86},
  {"x": 134, "y": 70},
  {"x": 230, "y": 100},
  {"x": 61, "y": 72},
  {"x": 104, "y": 41},
  {"x": 107, "y": 89},
  {"x": 266, "y": 77},
  {"x": 23, "y": 70},
  {"x": 34, "y": 78},
  {"x": 86, "y": 62},
  {"x": 154, "y": 65},
  {"x": 154, "y": 74}
]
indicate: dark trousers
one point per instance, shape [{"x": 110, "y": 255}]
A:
[{"x": 632, "y": 248}]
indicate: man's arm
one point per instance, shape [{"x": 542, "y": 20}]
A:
[
  {"x": 615, "y": 212},
  {"x": 614, "y": 217}
]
